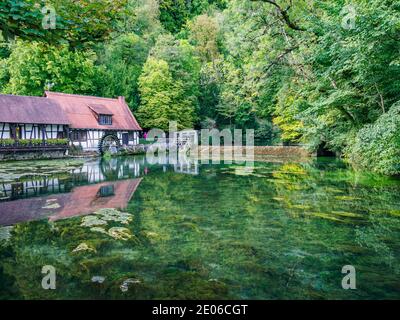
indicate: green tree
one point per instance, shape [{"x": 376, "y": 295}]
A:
[
  {"x": 34, "y": 67},
  {"x": 141, "y": 17},
  {"x": 322, "y": 70},
  {"x": 204, "y": 32},
  {"x": 286, "y": 117},
  {"x": 163, "y": 98},
  {"x": 77, "y": 21},
  {"x": 377, "y": 146},
  {"x": 183, "y": 65},
  {"x": 173, "y": 14},
  {"x": 121, "y": 62}
]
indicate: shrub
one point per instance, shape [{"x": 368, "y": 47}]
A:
[
  {"x": 377, "y": 146},
  {"x": 32, "y": 142},
  {"x": 7, "y": 142},
  {"x": 57, "y": 142},
  {"x": 36, "y": 142},
  {"x": 24, "y": 142}
]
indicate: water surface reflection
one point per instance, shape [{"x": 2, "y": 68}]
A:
[
  {"x": 282, "y": 230},
  {"x": 91, "y": 186}
]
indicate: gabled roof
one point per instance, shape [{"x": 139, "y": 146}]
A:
[
  {"x": 82, "y": 111},
  {"x": 31, "y": 110}
]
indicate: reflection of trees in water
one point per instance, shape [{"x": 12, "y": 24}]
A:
[
  {"x": 364, "y": 202},
  {"x": 222, "y": 234},
  {"x": 91, "y": 172},
  {"x": 124, "y": 167},
  {"x": 111, "y": 168}
]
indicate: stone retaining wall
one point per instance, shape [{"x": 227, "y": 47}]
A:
[
  {"x": 277, "y": 151},
  {"x": 32, "y": 155}
]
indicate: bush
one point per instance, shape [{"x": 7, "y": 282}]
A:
[
  {"x": 377, "y": 146},
  {"x": 32, "y": 142},
  {"x": 7, "y": 142},
  {"x": 57, "y": 142},
  {"x": 36, "y": 142},
  {"x": 24, "y": 143}
]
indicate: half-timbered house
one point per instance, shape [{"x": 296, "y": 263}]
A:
[
  {"x": 93, "y": 119},
  {"x": 93, "y": 123},
  {"x": 31, "y": 118}
]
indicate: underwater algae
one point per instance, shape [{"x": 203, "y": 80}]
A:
[
  {"x": 280, "y": 231},
  {"x": 19, "y": 170}
]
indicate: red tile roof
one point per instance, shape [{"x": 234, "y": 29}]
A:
[
  {"x": 79, "y": 110},
  {"x": 33, "y": 110},
  {"x": 85, "y": 200},
  {"x": 80, "y": 201}
]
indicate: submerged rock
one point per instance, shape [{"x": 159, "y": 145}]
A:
[
  {"x": 83, "y": 247},
  {"x": 120, "y": 233},
  {"x": 125, "y": 285},
  {"x": 5, "y": 233},
  {"x": 99, "y": 229},
  {"x": 98, "y": 279},
  {"x": 114, "y": 215},
  {"x": 90, "y": 221},
  {"x": 99, "y": 220},
  {"x": 103, "y": 216}
]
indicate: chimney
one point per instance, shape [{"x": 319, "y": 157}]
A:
[{"x": 121, "y": 99}]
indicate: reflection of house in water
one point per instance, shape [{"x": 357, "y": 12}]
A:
[
  {"x": 181, "y": 163},
  {"x": 94, "y": 171},
  {"x": 80, "y": 201},
  {"x": 96, "y": 184},
  {"x": 34, "y": 187},
  {"x": 187, "y": 168},
  {"x": 113, "y": 169}
]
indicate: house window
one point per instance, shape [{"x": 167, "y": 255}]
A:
[
  {"x": 106, "y": 191},
  {"x": 105, "y": 119},
  {"x": 16, "y": 131},
  {"x": 60, "y": 135},
  {"x": 17, "y": 189},
  {"x": 79, "y": 136}
]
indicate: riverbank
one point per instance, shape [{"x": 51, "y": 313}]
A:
[
  {"x": 272, "y": 151},
  {"x": 269, "y": 151}
]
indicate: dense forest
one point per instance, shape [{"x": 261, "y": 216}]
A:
[{"x": 319, "y": 72}]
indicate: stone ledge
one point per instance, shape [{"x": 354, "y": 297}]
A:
[
  {"x": 275, "y": 151},
  {"x": 32, "y": 155}
]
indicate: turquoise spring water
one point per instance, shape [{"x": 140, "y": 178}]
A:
[{"x": 128, "y": 229}]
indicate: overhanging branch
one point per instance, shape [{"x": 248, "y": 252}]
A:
[{"x": 284, "y": 14}]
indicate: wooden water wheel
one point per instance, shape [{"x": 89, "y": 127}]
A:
[{"x": 107, "y": 142}]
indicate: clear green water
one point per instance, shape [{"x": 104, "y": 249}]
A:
[{"x": 283, "y": 231}]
